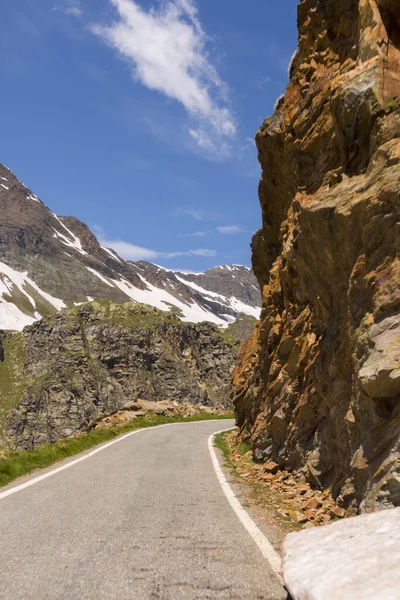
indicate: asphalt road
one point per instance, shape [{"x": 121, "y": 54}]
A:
[{"x": 144, "y": 519}]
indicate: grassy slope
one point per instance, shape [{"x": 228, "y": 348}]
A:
[
  {"x": 22, "y": 462},
  {"x": 221, "y": 443},
  {"x": 12, "y": 378}
]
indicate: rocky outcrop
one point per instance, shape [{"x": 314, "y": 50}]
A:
[
  {"x": 317, "y": 387},
  {"x": 69, "y": 370},
  {"x": 165, "y": 408}
]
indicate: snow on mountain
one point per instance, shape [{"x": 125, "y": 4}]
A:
[
  {"x": 16, "y": 289},
  {"x": 48, "y": 262}
]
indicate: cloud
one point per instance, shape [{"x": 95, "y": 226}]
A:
[
  {"x": 195, "y": 234},
  {"x": 264, "y": 81},
  {"x": 203, "y": 252},
  {"x": 130, "y": 251},
  {"x": 229, "y": 229},
  {"x": 71, "y": 7},
  {"x": 191, "y": 212},
  {"x": 195, "y": 213},
  {"x": 166, "y": 49},
  {"x": 74, "y": 11}
]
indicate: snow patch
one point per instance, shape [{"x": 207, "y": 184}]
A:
[
  {"x": 100, "y": 276},
  {"x": 353, "y": 559},
  {"x": 11, "y": 317},
  {"x": 200, "y": 289},
  {"x": 4, "y": 186},
  {"x": 111, "y": 253},
  {"x": 246, "y": 309},
  {"x": 161, "y": 299},
  {"x": 231, "y": 302},
  {"x": 75, "y": 243}
]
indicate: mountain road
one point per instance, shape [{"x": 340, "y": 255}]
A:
[{"x": 145, "y": 518}]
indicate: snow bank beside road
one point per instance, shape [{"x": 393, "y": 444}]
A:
[{"x": 354, "y": 559}]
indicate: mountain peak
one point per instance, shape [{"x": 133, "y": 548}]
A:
[{"x": 48, "y": 262}]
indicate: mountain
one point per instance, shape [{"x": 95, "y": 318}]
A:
[
  {"x": 317, "y": 388},
  {"x": 49, "y": 262}
]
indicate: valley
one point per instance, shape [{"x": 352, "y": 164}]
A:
[{"x": 231, "y": 433}]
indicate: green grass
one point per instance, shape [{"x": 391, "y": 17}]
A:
[
  {"x": 243, "y": 448},
  {"x": 22, "y": 462},
  {"x": 238, "y": 331},
  {"x": 392, "y": 105},
  {"x": 220, "y": 443},
  {"x": 13, "y": 380}
]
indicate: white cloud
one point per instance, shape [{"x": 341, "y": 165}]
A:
[
  {"x": 71, "y": 7},
  {"x": 195, "y": 213},
  {"x": 74, "y": 11},
  {"x": 130, "y": 251},
  {"x": 166, "y": 48},
  {"x": 229, "y": 229},
  {"x": 203, "y": 252},
  {"x": 195, "y": 234},
  {"x": 192, "y": 212}
]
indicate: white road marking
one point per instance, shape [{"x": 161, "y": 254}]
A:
[
  {"x": 266, "y": 548},
  {"x": 27, "y": 484}
]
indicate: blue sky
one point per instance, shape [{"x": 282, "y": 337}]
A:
[{"x": 138, "y": 117}]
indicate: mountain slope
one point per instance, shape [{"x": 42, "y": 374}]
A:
[{"x": 48, "y": 262}]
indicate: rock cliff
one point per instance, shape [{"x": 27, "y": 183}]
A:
[
  {"x": 69, "y": 370},
  {"x": 317, "y": 387}
]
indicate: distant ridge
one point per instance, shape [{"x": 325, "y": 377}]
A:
[{"x": 49, "y": 262}]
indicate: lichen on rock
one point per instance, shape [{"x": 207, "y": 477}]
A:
[{"x": 317, "y": 386}]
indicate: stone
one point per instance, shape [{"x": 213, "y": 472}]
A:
[
  {"x": 299, "y": 517},
  {"x": 314, "y": 503},
  {"x": 309, "y": 514},
  {"x": 337, "y": 511},
  {"x": 271, "y": 467},
  {"x": 325, "y": 518}
]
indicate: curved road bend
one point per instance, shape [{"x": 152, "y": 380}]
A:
[{"x": 144, "y": 519}]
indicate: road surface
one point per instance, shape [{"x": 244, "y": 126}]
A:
[{"x": 144, "y": 519}]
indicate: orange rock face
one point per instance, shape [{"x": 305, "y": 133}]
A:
[{"x": 317, "y": 387}]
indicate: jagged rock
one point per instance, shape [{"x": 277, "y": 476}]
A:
[
  {"x": 317, "y": 387},
  {"x": 271, "y": 467},
  {"x": 141, "y": 408},
  {"x": 64, "y": 373}
]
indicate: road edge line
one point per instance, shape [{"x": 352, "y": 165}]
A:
[
  {"x": 264, "y": 545},
  {"x": 91, "y": 453}
]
